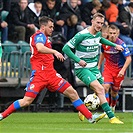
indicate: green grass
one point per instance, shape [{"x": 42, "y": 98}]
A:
[{"x": 62, "y": 123}]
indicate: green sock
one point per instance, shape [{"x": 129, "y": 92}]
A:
[{"x": 107, "y": 109}]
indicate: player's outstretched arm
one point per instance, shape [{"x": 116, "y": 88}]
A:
[
  {"x": 67, "y": 50},
  {"x": 109, "y": 43},
  {"x": 45, "y": 50}
]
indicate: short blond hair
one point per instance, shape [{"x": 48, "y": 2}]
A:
[{"x": 98, "y": 15}]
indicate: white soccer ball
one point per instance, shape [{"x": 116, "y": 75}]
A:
[{"x": 92, "y": 102}]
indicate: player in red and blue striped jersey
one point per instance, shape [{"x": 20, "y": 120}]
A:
[{"x": 115, "y": 65}]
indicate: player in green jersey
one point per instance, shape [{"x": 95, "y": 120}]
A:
[{"x": 86, "y": 44}]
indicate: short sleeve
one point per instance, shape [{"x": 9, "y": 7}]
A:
[{"x": 40, "y": 38}]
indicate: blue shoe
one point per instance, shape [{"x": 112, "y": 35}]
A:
[{"x": 96, "y": 117}]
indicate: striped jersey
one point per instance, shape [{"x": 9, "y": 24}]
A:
[
  {"x": 86, "y": 47},
  {"x": 115, "y": 59},
  {"x": 40, "y": 61}
]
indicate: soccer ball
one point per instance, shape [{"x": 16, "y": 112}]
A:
[{"x": 92, "y": 102}]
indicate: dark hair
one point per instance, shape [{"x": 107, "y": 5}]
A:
[
  {"x": 44, "y": 20},
  {"x": 114, "y": 1},
  {"x": 51, "y": 0},
  {"x": 105, "y": 26},
  {"x": 20, "y": 1},
  {"x": 38, "y": 2},
  {"x": 130, "y": 4},
  {"x": 114, "y": 27},
  {"x": 105, "y": 4}
]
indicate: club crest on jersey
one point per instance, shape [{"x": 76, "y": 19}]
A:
[{"x": 32, "y": 86}]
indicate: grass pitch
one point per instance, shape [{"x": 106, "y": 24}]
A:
[{"x": 62, "y": 123}]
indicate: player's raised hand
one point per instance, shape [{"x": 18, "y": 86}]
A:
[
  {"x": 119, "y": 47},
  {"x": 82, "y": 63},
  {"x": 59, "y": 56}
]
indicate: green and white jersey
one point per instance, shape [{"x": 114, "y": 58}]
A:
[{"x": 86, "y": 47}]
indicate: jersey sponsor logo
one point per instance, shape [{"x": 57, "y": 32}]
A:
[
  {"x": 32, "y": 86},
  {"x": 111, "y": 52},
  {"x": 92, "y": 48}
]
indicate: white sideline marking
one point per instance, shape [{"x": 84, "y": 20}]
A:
[{"x": 76, "y": 129}]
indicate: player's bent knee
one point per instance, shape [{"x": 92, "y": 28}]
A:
[{"x": 114, "y": 94}]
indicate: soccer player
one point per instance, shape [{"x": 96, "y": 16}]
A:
[
  {"x": 43, "y": 74},
  {"x": 86, "y": 44},
  {"x": 115, "y": 65}
]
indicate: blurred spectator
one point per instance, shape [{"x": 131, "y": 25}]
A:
[
  {"x": 49, "y": 8},
  {"x": 3, "y": 25},
  {"x": 105, "y": 6},
  {"x": 89, "y": 9},
  {"x": 60, "y": 4},
  {"x": 19, "y": 21},
  {"x": 85, "y": 1},
  {"x": 6, "y": 5},
  {"x": 112, "y": 12},
  {"x": 71, "y": 16},
  {"x": 35, "y": 12},
  {"x": 126, "y": 18}
]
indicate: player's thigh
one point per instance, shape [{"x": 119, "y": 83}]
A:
[
  {"x": 107, "y": 76},
  {"x": 118, "y": 81},
  {"x": 35, "y": 85},
  {"x": 117, "y": 85},
  {"x": 85, "y": 75},
  {"x": 97, "y": 87},
  {"x": 57, "y": 83},
  {"x": 95, "y": 71},
  {"x": 89, "y": 75}
]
